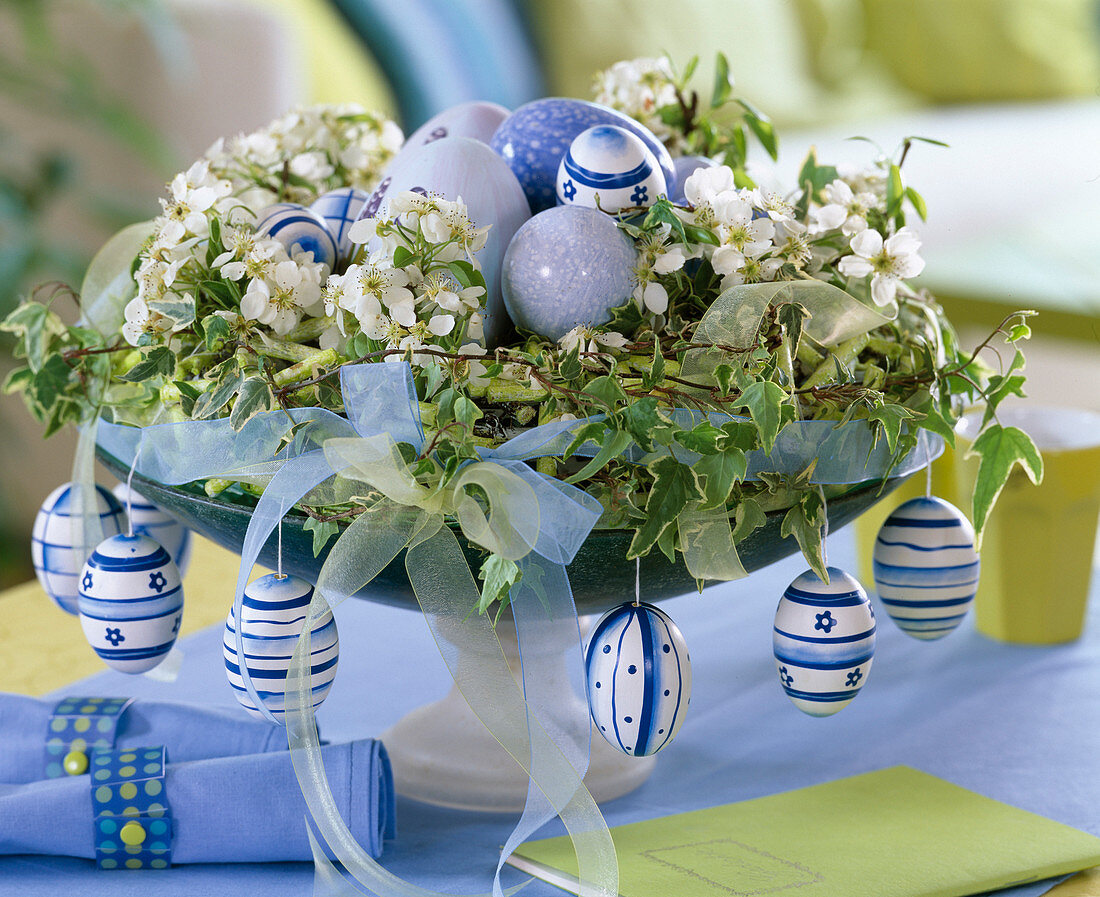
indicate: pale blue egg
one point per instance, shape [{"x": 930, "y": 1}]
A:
[
  {"x": 273, "y": 614},
  {"x": 56, "y": 563},
  {"x": 478, "y": 119},
  {"x": 300, "y": 230},
  {"x": 608, "y": 168},
  {"x": 685, "y": 167},
  {"x": 568, "y": 265},
  {"x": 533, "y": 140},
  {"x": 149, "y": 520},
  {"x": 131, "y": 602},
  {"x": 824, "y": 640},
  {"x": 926, "y": 567},
  {"x": 339, "y": 209},
  {"x": 639, "y": 678}
]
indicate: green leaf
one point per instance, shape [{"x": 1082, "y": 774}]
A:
[
  {"x": 656, "y": 370},
  {"x": 615, "y": 442},
  {"x": 748, "y": 517},
  {"x": 160, "y": 360},
  {"x": 499, "y": 575},
  {"x": 402, "y": 255},
  {"x": 216, "y": 331},
  {"x": 1000, "y": 388},
  {"x": 806, "y": 522},
  {"x": 761, "y": 126},
  {"x": 51, "y": 382},
  {"x": 592, "y": 431},
  {"x": 466, "y": 412},
  {"x": 641, "y": 420},
  {"x": 792, "y": 315},
  {"x": 722, "y": 83},
  {"x": 322, "y": 530},
  {"x": 1018, "y": 332},
  {"x": 891, "y": 417},
  {"x": 607, "y": 390},
  {"x": 215, "y": 399},
  {"x": 769, "y": 408},
  {"x": 895, "y": 191},
  {"x": 180, "y": 309},
  {"x": 18, "y": 380},
  {"x": 817, "y": 176},
  {"x": 701, "y": 439},
  {"x": 254, "y": 397},
  {"x": 1000, "y": 449},
  {"x": 570, "y": 366},
  {"x": 719, "y": 472},
  {"x": 918, "y": 203},
  {"x": 674, "y": 485}
]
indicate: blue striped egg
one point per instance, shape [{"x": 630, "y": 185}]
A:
[
  {"x": 926, "y": 568},
  {"x": 56, "y": 563},
  {"x": 339, "y": 209},
  {"x": 131, "y": 602},
  {"x": 273, "y": 613},
  {"x": 608, "y": 168},
  {"x": 639, "y": 678},
  {"x": 824, "y": 639},
  {"x": 148, "y": 519},
  {"x": 300, "y": 230}
]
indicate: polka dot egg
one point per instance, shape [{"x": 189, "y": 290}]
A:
[
  {"x": 131, "y": 602},
  {"x": 824, "y": 639},
  {"x": 639, "y": 678},
  {"x": 300, "y": 230},
  {"x": 56, "y": 563},
  {"x": 926, "y": 568},
  {"x": 273, "y": 614},
  {"x": 609, "y": 168},
  {"x": 149, "y": 520},
  {"x": 339, "y": 209}
]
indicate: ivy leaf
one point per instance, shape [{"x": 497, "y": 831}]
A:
[
  {"x": 761, "y": 126},
  {"x": 215, "y": 330},
  {"x": 215, "y": 399},
  {"x": 891, "y": 417},
  {"x": 322, "y": 530},
  {"x": 160, "y": 360},
  {"x": 592, "y": 431},
  {"x": 607, "y": 390},
  {"x": 792, "y": 315},
  {"x": 817, "y": 177},
  {"x": 806, "y": 522},
  {"x": 50, "y": 384},
  {"x": 498, "y": 575},
  {"x": 656, "y": 370},
  {"x": 934, "y": 418},
  {"x": 641, "y": 420},
  {"x": 570, "y": 366},
  {"x": 1000, "y": 388},
  {"x": 615, "y": 442},
  {"x": 180, "y": 309},
  {"x": 1000, "y": 449},
  {"x": 254, "y": 397},
  {"x": 719, "y": 472},
  {"x": 748, "y": 517},
  {"x": 674, "y": 485},
  {"x": 466, "y": 412},
  {"x": 701, "y": 439},
  {"x": 769, "y": 409}
]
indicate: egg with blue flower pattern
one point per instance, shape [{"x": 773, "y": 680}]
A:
[
  {"x": 639, "y": 678},
  {"x": 824, "y": 640},
  {"x": 300, "y": 230},
  {"x": 273, "y": 613},
  {"x": 147, "y": 519},
  {"x": 926, "y": 567},
  {"x": 608, "y": 168},
  {"x": 56, "y": 563},
  {"x": 340, "y": 210},
  {"x": 131, "y": 602}
]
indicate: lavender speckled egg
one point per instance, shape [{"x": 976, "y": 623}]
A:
[
  {"x": 300, "y": 230},
  {"x": 477, "y": 119},
  {"x": 608, "y": 168},
  {"x": 685, "y": 167},
  {"x": 339, "y": 209},
  {"x": 463, "y": 167},
  {"x": 568, "y": 265},
  {"x": 149, "y": 520},
  {"x": 56, "y": 563},
  {"x": 131, "y": 602},
  {"x": 534, "y": 138}
]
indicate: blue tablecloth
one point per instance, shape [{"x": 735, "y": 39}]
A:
[{"x": 1019, "y": 724}]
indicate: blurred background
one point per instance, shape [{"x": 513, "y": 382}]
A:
[{"x": 102, "y": 101}]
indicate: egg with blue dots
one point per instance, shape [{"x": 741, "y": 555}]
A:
[
  {"x": 131, "y": 602},
  {"x": 339, "y": 210},
  {"x": 608, "y": 168},
  {"x": 567, "y": 266},
  {"x": 273, "y": 613},
  {"x": 300, "y": 230},
  {"x": 639, "y": 678},
  {"x": 926, "y": 567},
  {"x": 824, "y": 641},
  {"x": 147, "y": 519},
  {"x": 57, "y": 564}
]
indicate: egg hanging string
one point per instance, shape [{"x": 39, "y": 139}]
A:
[
  {"x": 130, "y": 494},
  {"x": 637, "y": 581},
  {"x": 928, "y": 467}
]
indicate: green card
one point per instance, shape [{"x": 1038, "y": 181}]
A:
[{"x": 897, "y": 832}]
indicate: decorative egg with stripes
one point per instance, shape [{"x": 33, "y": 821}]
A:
[
  {"x": 926, "y": 568},
  {"x": 609, "y": 168},
  {"x": 273, "y": 613},
  {"x": 300, "y": 230},
  {"x": 131, "y": 602},
  {"x": 56, "y": 563},
  {"x": 824, "y": 639},
  {"x": 339, "y": 209},
  {"x": 639, "y": 678},
  {"x": 148, "y": 519}
]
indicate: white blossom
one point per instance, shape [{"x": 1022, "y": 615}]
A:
[{"x": 887, "y": 261}]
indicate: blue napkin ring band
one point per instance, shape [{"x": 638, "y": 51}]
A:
[
  {"x": 77, "y": 727},
  {"x": 133, "y": 820}
]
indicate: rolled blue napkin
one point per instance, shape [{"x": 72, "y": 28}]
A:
[{"x": 243, "y": 809}]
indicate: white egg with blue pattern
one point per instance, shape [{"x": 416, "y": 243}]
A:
[
  {"x": 148, "y": 519},
  {"x": 340, "y": 210},
  {"x": 300, "y": 230},
  {"x": 608, "y": 168}
]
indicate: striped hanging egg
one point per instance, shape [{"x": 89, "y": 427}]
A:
[
  {"x": 639, "y": 678},
  {"x": 149, "y": 520},
  {"x": 824, "y": 639},
  {"x": 131, "y": 602},
  {"x": 300, "y": 230},
  {"x": 273, "y": 613},
  {"x": 56, "y": 563},
  {"x": 926, "y": 567},
  {"x": 339, "y": 209}
]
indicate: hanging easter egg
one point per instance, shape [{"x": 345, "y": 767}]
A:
[
  {"x": 608, "y": 168},
  {"x": 824, "y": 639},
  {"x": 131, "y": 602},
  {"x": 272, "y": 615},
  {"x": 339, "y": 209},
  {"x": 685, "y": 167},
  {"x": 568, "y": 265},
  {"x": 300, "y": 230},
  {"x": 457, "y": 167},
  {"x": 147, "y": 519},
  {"x": 478, "y": 119},
  {"x": 639, "y": 678},
  {"x": 56, "y": 562},
  {"x": 534, "y": 138},
  {"x": 926, "y": 568}
]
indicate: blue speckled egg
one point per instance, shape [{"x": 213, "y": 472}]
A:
[
  {"x": 300, "y": 230},
  {"x": 639, "y": 678},
  {"x": 149, "y": 520},
  {"x": 339, "y": 209},
  {"x": 273, "y": 613},
  {"x": 824, "y": 639},
  {"x": 534, "y": 138},
  {"x": 131, "y": 602},
  {"x": 56, "y": 563},
  {"x": 926, "y": 568},
  {"x": 478, "y": 119},
  {"x": 685, "y": 167},
  {"x": 568, "y": 265},
  {"x": 607, "y": 167}
]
